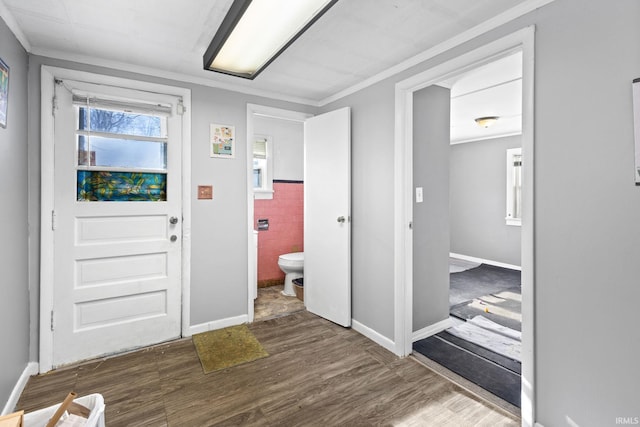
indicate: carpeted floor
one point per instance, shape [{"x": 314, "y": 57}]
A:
[
  {"x": 483, "y": 280},
  {"x": 494, "y": 293}
]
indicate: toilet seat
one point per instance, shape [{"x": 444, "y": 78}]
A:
[{"x": 294, "y": 259}]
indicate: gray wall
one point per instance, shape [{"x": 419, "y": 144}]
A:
[
  {"x": 431, "y": 107},
  {"x": 14, "y": 297},
  {"x": 288, "y": 146},
  {"x": 478, "y": 201},
  {"x": 586, "y": 207},
  {"x": 372, "y": 193},
  {"x": 586, "y": 265},
  {"x": 218, "y": 226}
]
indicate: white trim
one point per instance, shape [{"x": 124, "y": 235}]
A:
[
  {"x": 203, "y": 80},
  {"x": 493, "y": 23},
  {"x": 485, "y": 138},
  {"x": 217, "y": 324},
  {"x": 11, "y": 22},
  {"x": 374, "y": 336},
  {"x": 30, "y": 369},
  {"x": 403, "y": 259},
  {"x": 275, "y": 113},
  {"x": 432, "y": 329},
  {"x": 485, "y": 261},
  {"x": 48, "y": 74}
]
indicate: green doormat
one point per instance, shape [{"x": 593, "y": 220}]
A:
[{"x": 227, "y": 347}]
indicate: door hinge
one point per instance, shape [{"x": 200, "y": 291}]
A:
[
  {"x": 52, "y": 320},
  {"x": 53, "y": 220},
  {"x": 180, "y": 109},
  {"x": 54, "y": 105},
  {"x": 410, "y": 225}
]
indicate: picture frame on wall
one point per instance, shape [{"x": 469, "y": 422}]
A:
[
  {"x": 222, "y": 141},
  {"x": 4, "y": 92},
  {"x": 636, "y": 126}
]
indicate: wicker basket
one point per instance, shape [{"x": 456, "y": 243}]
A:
[{"x": 298, "y": 287}]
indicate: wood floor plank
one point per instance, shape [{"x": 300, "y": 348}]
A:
[{"x": 317, "y": 373}]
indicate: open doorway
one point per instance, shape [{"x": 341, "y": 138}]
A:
[
  {"x": 276, "y": 208},
  {"x": 327, "y": 214},
  {"x": 415, "y": 327},
  {"x": 484, "y": 293}
]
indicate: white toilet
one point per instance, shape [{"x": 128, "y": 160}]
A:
[{"x": 292, "y": 265}]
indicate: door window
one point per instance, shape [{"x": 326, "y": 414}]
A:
[{"x": 121, "y": 151}]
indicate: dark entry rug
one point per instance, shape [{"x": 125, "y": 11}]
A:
[
  {"x": 483, "y": 280},
  {"x": 491, "y": 371}
]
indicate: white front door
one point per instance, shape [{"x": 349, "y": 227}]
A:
[
  {"x": 117, "y": 220},
  {"x": 327, "y": 216}
]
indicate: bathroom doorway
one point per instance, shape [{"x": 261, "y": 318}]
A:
[
  {"x": 326, "y": 221},
  {"x": 277, "y": 180}
]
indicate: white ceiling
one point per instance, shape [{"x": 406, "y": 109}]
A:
[{"x": 354, "y": 42}]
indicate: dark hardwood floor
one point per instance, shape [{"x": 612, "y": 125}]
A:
[{"x": 317, "y": 374}]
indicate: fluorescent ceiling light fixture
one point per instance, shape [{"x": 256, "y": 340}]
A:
[
  {"x": 485, "y": 122},
  {"x": 255, "y": 32}
]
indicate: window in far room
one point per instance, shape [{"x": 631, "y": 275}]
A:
[
  {"x": 514, "y": 186},
  {"x": 263, "y": 167}
]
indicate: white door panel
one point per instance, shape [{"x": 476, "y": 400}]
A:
[
  {"x": 117, "y": 271},
  {"x": 327, "y": 223}
]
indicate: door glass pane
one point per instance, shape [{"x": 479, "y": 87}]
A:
[
  {"x": 100, "y": 120},
  {"x": 123, "y": 153},
  {"x": 121, "y": 186}
]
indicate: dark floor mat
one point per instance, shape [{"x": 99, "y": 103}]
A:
[
  {"x": 505, "y": 362},
  {"x": 486, "y": 374}
]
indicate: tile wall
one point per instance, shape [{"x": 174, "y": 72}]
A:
[{"x": 285, "y": 213}]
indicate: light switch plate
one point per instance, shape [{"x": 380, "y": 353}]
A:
[
  {"x": 205, "y": 192},
  {"x": 419, "y": 197}
]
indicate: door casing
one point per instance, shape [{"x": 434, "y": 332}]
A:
[
  {"x": 275, "y": 113},
  {"x": 403, "y": 246},
  {"x": 48, "y": 76}
]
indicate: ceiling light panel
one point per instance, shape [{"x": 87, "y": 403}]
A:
[{"x": 255, "y": 32}]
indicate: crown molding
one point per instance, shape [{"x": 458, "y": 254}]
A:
[
  {"x": 484, "y": 27},
  {"x": 176, "y": 77},
  {"x": 11, "y": 22}
]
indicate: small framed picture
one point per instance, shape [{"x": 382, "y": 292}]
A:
[
  {"x": 4, "y": 92},
  {"x": 222, "y": 141}
]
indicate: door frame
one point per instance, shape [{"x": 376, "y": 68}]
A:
[
  {"x": 274, "y": 113},
  {"x": 48, "y": 75},
  {"x": 403, "y": 245}
]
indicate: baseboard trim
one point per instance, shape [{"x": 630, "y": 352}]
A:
[
  {"x": 432, "y": 329},
  {"x": 374, "y": 336},
  {"x": 216, "y": 324},
  {"x": 32, "y": 368},
  {"x": 485, "y": 261}
]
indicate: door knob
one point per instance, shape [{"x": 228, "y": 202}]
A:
[
  {"x": 341, "y": 219},
  {"x": 173, "y": 238},
  {"x": 173, "y": 220}
]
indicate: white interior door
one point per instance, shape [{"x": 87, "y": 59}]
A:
[
  {"x": 117, "y": 221},
  {"x": 327, "y": 216}
]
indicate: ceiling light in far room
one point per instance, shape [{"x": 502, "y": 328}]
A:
[
  {"x": 485, "y": 122},
  {"x": 255, "y": 32}
]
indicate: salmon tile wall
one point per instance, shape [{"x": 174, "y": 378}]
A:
[{"x": 285, "y": 213}]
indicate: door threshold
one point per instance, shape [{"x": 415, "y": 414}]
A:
[{"x": 502, "y": 405}]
